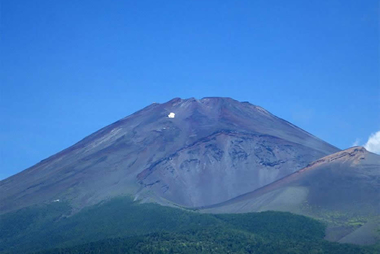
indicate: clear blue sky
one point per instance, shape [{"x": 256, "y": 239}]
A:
[{"x": 70, "y": 67}]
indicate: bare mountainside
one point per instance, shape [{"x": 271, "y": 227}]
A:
[
  {"x": 342, "y": 189},
  {"x": 214, "y": 149}
]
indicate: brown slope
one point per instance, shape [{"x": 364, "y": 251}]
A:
[
  {"x": 130, "y": 155},
  {"x": 342, "y": 189}
]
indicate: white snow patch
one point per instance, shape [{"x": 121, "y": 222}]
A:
[{"x": 171, "y": 115}]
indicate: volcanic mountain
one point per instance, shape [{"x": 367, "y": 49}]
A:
[
  {"x": 342, "y": 189},
  {"x": 185, "y": 152}
]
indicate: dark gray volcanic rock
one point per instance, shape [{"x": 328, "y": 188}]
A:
[
  {"x": 213, "y": 150},
  {"x": 222, "y": 166},
  {"x": 342, "y": 189}
]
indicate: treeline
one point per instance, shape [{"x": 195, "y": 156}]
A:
[
  {"x": 124, "y": 226},
  {"x": 210, "y": 240}
]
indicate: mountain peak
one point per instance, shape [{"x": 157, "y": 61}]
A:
[{"x": 178, "y": 150}]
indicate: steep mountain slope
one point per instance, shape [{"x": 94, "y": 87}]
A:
[
  {"x": 342, "y": 189},
  {"x": 212, "y": 150}
]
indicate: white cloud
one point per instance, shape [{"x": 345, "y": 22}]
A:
[
  {"x": 373, "y": 143},
  {"x": 357, "y": 142}
]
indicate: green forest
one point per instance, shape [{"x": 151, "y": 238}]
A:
[{"x": 123, "y": 226}]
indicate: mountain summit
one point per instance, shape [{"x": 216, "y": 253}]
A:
[{"x": 186, "y": 152}]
